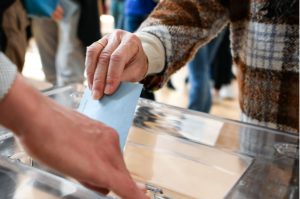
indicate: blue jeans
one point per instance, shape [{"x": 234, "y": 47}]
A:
[
  {"x": 199, "y": 75},
  {"x": 199, "y": 79},
  {"x": 117, "y": 11},
  {"x": 61, "y": 51},
  {"x": 132, "y": 22}
]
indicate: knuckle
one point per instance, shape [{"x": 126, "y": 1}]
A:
[
  {"x": 133, "y": 43},
  {"x": 113, "y": 135},
  {"x": 91, "y": 52},
  {"x": 133, "y": 38},
  {"x": 98, "y": 80},
  {"x": 112, "y": 80},
  {"x": 89, "y": 71},
  {"x": 105, "y": 55},
  {"x": 98, "y": 86},
  {"x": 90, "y": 49},
  {"x": 118, "y": 32},
  {"x": 116, "y": 58},
  {"x": 104, "y": 58}
]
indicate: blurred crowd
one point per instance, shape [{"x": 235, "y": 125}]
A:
[{"x": 62, "y": 29}]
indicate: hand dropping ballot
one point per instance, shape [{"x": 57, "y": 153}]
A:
[{"x": 116, "y": 111}]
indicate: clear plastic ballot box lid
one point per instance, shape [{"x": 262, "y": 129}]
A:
[{"x": 186, "y": 154}]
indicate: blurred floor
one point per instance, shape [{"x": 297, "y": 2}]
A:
[
  {"x": 179, "y": 97},
  {"x": 225, "y": 108}
]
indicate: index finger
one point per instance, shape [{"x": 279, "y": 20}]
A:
[
  {"x": 92, "y": 54},
  {"x": 125, "y": 52},
  {"x": 126, "y": 188}
]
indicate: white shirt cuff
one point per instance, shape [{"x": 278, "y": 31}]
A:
[{"x": 154, "y": 50}]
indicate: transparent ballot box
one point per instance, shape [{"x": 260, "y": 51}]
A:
[
  {"x": 19, "y": 181},
  {"x": 181, "y": 154}
]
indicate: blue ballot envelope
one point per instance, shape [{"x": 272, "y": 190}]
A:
[{"x": 116, "y": 111}]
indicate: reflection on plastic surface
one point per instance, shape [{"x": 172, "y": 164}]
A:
[
  {"x": 158, "y": 123},
  {"x": 177, "y": 123},
  {"x": 156, "y": 193},
  {"x": 22, "y": 182},
  {"x": 286, "y": 149},
  {"x": 188, "y": 169}
]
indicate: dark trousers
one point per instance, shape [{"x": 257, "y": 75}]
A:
[{"x": 221, "y": 62}]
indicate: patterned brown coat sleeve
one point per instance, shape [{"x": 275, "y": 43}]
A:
[{"x": 182, "y": 26}]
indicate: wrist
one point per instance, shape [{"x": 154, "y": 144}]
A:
[
  {"x": 154, "y": 51},
  {"x": 146, "y": 67}
]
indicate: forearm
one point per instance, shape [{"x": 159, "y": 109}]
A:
[
  {"x": 20, "y": 106},
  {"x": 13, "y": 96}
]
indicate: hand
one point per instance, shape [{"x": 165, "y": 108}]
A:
[
  {"x": 58, "y": 13},
  {"x": 117, "y": 57},
  {"x": 67, "y": 141}
]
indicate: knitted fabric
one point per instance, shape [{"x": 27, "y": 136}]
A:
[
  {"x": 264, "y": 44},
  {"x": 8, "y": 73}
]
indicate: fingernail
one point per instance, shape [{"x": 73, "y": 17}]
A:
[
  {"x": 96, "y": 95},
  {"x": 90, "y": 87},
  {"x": 107, "y": 89}
]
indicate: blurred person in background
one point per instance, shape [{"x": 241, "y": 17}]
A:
[
  {"x": 264, "y": 42},
  {"x": 221, "y": 68},
  {"x": 117, "y": 11},
  {"x": 136, "y": 11},
  {"x": 62, "y": 39},
  {"x": 13, "y": 31},
  {"x": 200, "y": 98},
  {"x": 212, "y": 61}
]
